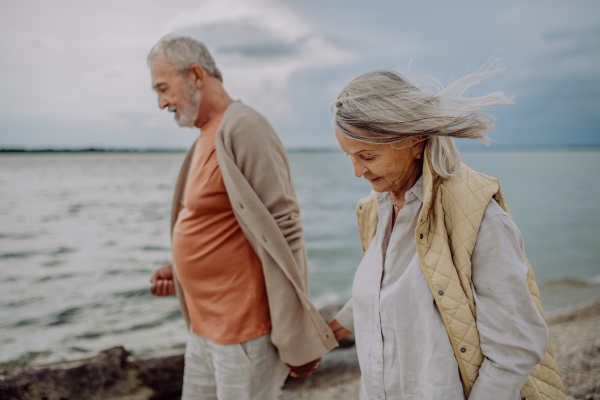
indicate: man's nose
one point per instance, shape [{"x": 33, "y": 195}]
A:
[{"x": 162, "y": 102}]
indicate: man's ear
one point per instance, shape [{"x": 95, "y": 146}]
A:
[{"x": 197, "y": 76}]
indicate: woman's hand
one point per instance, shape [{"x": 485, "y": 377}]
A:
[
  {"x": 339, "y": 331},
  {"x": 305, "y": 370},
  {"x": 162, "y": 281}
]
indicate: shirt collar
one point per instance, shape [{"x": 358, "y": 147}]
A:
[
  {"x": 417, "y": 188},
  {"x": 416, "y": 191}
]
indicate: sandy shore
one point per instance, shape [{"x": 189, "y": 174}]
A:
[
  {"x": 114, "y": 374},
  {"x": 575, "y": 337}
]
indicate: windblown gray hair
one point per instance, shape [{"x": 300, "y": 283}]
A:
[
  {"x": 183, "y": 52},
  {"x": 382, "y": 106}
]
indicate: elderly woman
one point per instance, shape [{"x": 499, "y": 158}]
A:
[{"x": 444, "y": 303}]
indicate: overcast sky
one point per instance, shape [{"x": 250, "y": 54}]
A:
[{"x": 73, "y": 73}]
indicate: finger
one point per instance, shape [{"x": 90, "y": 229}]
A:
[
  {"x": 172, "y": 288},
  {"x": 159, "y": 286}
]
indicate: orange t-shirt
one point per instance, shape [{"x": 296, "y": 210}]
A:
[{"x": 221, "y": 275}]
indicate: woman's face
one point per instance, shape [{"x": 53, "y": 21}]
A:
[{"x": 388, "y": 169}]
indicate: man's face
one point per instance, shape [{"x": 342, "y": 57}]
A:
[{"x": 175, "y": 92}]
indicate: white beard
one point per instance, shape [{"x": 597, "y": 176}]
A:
[{"x": 189, "y": 114}]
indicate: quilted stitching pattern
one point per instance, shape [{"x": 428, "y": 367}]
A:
[{"x": 450, "y": 226}]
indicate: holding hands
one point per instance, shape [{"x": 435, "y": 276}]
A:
[{"x": 306, "y": 370}]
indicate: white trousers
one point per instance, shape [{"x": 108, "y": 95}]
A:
[{"x": 245, "y": 371}]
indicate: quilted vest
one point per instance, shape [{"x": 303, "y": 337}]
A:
[{"x": 446, "y": 232}]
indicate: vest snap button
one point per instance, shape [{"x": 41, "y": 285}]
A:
[
  {"x": 441, "y": 292},
  {"x": 463, "y": 350},
  {"x": 421, "y": 236},
  {"x": 360, "y": 207}
]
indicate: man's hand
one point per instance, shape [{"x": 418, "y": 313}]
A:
[
  {"x": 162, "y": 281},
  {"x": 305, "y": 370}
]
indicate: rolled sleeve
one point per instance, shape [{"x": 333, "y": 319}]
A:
[
  {"x": 345, "y": 317},
  {"x": 513, "y": 334}
]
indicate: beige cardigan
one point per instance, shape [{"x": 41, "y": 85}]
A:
[{"x": 257, "y": 178}]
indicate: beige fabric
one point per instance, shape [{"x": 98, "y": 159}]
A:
[
  {"x": 445, "y": 236},
  {"x": 249, "y": 370},
  {"x": 257, "y": 177}
]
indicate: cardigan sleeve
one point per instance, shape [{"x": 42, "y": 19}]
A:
[{"x": 261, "y": 158}]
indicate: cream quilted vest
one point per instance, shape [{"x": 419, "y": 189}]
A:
[{"x": 446, "y": 233}]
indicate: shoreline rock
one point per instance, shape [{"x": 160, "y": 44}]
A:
[{"x": 114, "y": 374}]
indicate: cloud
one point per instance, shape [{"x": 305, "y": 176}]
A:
[
  {"x": 258, "y": 54},
  {"x": 69, "y": 65}
]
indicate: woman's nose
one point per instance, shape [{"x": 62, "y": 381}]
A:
[{"x": 359, "y": 170}]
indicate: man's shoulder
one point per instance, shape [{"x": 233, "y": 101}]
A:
[
  {"x": 240, "y": 113},
  {"x": 244, "y": 127}
]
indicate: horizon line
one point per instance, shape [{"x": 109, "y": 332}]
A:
[{"x": 316, "y": 149}]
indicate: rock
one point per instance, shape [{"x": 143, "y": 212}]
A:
[
  {"x": 109, "y": 375},
  {"x": 114, "y": 374}
]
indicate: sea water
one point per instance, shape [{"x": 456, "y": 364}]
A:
[{"x": 81, "y": 235}]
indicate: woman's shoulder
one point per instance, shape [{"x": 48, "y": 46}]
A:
[
  {"x": 493, "y": 210},
  {"x": 469, "y": 175}
]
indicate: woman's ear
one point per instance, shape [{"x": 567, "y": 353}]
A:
[{"x": 418, "y": 146}]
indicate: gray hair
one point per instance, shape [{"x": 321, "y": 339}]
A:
[
  {"x": 183, "y": 52},
  {"x": 382, "y": 106}
]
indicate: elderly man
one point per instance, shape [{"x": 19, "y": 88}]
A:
[{"x": 239, "y": 263}]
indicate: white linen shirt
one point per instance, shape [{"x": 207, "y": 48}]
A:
[{"x": 403, "y": 348}]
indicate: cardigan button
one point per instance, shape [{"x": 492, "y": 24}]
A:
[
  {"x": 441, "y": 292},
  {"x": 463, "y": 350},
  {"x": 421, "y": 236}
]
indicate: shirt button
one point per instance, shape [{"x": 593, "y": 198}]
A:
[
  {"x": 377, "y": 394},
  {"x": 377, "y": 360}
]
